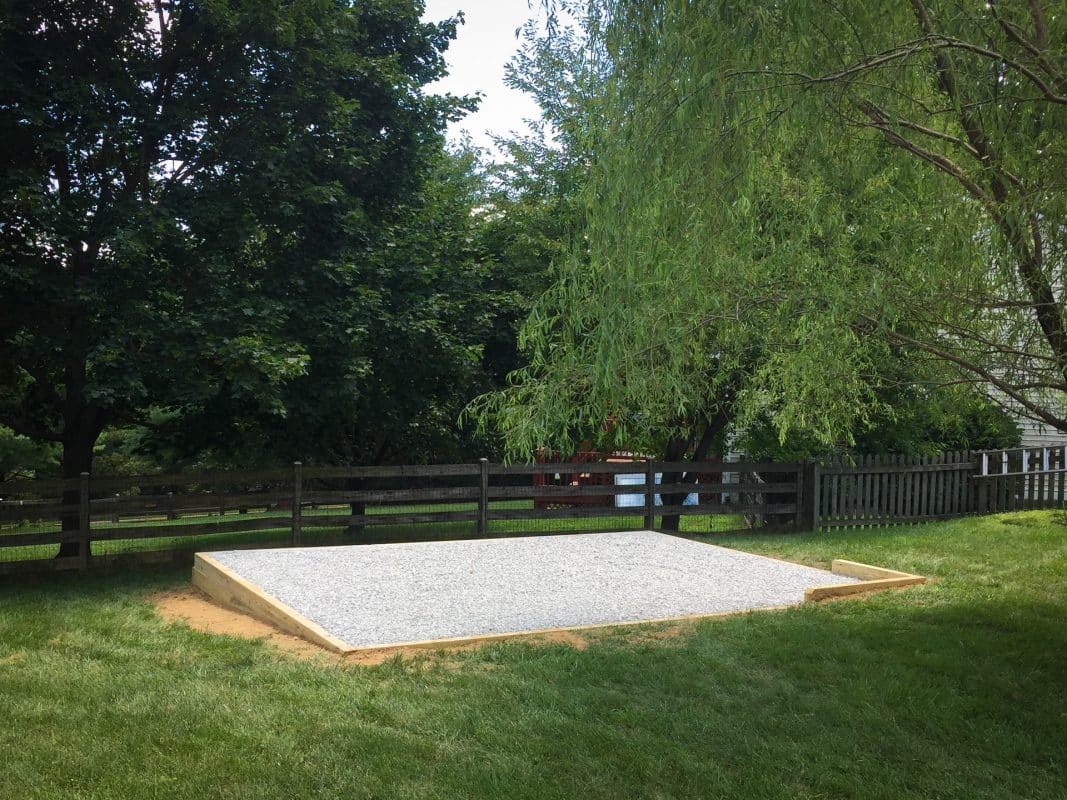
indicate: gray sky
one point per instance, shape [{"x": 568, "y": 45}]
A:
[{"x": 476, "y": 63}]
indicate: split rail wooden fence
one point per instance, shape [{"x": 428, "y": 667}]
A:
[{"x": 92, "y": 521}]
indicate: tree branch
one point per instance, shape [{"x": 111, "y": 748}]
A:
[
  {"x": 30, "y": 430},
  {"x": 933, "y": 40},
  {"x": 880, "y": 121},
  {"x": 1004, "y": 386},
  {"x": 1028, "y": 256},
  {"x": 156, "y": 102},
  {"x": 1037, "y": 14},
  {"x": 1050, "y": 94},
  {"x": 935, "y": 134}
]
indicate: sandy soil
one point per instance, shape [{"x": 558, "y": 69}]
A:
[{"x": 193, "y": 608}]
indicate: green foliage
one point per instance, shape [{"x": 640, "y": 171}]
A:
[
  {"x": 393, "y": 343},
  {"x": 21, "y": 457},
  {"x": 760, "y": 240},
  {"x": 130, "y": 451},
  {"x": 532, "y": 211},
  {"x": 182, "y": 184},
  {"x": 912, "y": 420}
]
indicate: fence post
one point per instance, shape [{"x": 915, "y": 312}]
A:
[
  {"x": 808, "y": 496},
  {"x": 170, "y": 506},
  {"x": 650, "y": 494},
  {"x": 83, "y": 522},
  {"x": 816, "y": 493},
  {"x": 800, "y": 496},
  {"x": 298, "y": 499},
  {"x": 483, "y": 497},
  {"x": 968, "y": 504},
  {"x": 982, "y": 504}
]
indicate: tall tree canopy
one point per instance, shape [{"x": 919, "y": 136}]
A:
[
  {"x": 394, "y": 335},
  {"x": 189, "y": 189},
  {"x": 532, "y": 211},
  {"x": 783, "y": 194}
]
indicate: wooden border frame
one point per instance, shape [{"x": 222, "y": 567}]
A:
[
  {"x": 228, "y": 588},
  {"x": 872, "y": 579}
]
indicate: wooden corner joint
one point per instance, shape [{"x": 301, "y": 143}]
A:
[
  {"x": 227, "y": 587},
  {"x": 872, "y": 579}
]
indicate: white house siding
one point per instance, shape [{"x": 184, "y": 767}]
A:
[{"x": 1036, "y": 434}]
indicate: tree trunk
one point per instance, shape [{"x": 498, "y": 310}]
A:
[
  {"x": 82, "y": 423},
  {"x": 676, "y": 451},
  {"x": 358, "y": 508},
  {"x": 77, "y": 458}
]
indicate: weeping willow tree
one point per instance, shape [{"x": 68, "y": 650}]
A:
[{"x": 786, "y": 193}]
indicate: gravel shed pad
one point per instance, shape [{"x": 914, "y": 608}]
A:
[{"x": 386, "y": 594}]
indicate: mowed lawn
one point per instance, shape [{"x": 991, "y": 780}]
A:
[{"x": 953, "y": 690}]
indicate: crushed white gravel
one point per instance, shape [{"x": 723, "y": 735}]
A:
[{"x": 386, "y": 594}]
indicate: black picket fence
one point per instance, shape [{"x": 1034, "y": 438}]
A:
[
  {"x": 890, "y": 489},
  {"x": 1019, "y": 479},
  {"x": 870, "y": 491}
]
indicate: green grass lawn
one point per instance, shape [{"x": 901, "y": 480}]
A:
[{"x": 953, "y": 690}]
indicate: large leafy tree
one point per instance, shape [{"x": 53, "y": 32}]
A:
[
  {"x": 394, "y": 339},
  {"x": 21, "y": 457},
  {"x": 532, "y": 214},
  {"x": 180, "y": 182},
  {"x": 783, "y": 195},
  {"x": 421, "y": 314},
  {"x": 168, "y": 168}
]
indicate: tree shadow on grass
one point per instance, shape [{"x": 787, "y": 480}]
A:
[
  {"x": 849, "y": 700},
  {"x": 913, "y": 694}
]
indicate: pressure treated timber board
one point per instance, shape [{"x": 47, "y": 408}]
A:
[
  {"x": 232, "y": 590},
  {"x": 872, "y": 579}
]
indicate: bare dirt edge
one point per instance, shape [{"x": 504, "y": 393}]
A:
[{"x": 194, "y": 609}]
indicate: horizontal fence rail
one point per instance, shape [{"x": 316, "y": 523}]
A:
[{"x": 89, "y": 521}]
